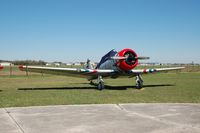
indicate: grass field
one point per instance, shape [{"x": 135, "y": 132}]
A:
[{"x": 21, "y": 90}]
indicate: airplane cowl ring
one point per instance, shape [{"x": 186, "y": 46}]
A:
[{"x": 130, "y": 62}]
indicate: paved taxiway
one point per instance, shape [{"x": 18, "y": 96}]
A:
[{"x": 108, "y": 118}]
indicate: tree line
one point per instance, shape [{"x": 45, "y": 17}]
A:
[{"x": 26, "y": 62}]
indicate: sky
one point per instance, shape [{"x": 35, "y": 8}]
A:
[{"x": 167, "y": 31}]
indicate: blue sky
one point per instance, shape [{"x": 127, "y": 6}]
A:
[{"x": 74, "y": 30}]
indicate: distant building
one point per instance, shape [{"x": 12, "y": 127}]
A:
[
  {"x": 144, "y": 64},
  {"x": 6, "y": 64},
  {"x": 49, "y": 64},
  {"x": 56, "y": 64},
  {"x": 77, "y": 64},
  {"x": 69, "y": 64}
]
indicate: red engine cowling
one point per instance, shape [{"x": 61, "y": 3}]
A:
[{"x": 130, "y": 62}]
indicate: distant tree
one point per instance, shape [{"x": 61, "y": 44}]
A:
[{"x": 29, "y": 62}]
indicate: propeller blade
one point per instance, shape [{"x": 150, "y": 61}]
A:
[
  {"x": 118, "y": 58},
  {"x": 124, "y": 58},
  {"x": 142, "y": 58}
]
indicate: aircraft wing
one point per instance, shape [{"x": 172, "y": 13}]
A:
[
  {"x": 91, "y": 74},
  {"x": 74, "y": 72},
  {"x": 154, "y": 70}
]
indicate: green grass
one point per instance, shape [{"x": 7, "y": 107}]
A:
[{"x": 60, "y": 90}]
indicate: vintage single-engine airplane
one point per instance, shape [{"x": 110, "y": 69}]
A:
[{"x": 112, "y": 65}]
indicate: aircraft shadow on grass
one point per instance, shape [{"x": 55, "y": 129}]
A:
[{"x": 94, "y": 87}]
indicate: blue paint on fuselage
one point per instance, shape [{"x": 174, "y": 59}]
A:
[{"x": 106, "y": 58}]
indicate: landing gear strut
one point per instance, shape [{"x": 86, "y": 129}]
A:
[
  {"x": 100, "y": 83},
  {"x": 139, "y": 82}
]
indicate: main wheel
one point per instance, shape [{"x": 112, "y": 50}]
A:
[
  {"x": 101, "y": 86},
  {"x": 139, "y": 85}
]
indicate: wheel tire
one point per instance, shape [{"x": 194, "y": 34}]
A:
[
  {"x": 139, "y": 85},
  {"x": 100, "y": 86}
]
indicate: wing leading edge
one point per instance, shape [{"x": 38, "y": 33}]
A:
[
  {"x": 154, "y": 70},
  {"x": 93, "y": 73},
  {"x": 74, "y": 72}
]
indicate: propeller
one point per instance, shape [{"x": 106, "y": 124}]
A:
[
  {"x": 142, "y": 58},
  {"x": 132, "y": 57}
]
